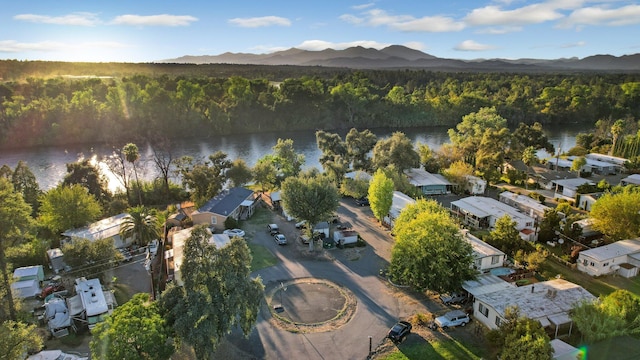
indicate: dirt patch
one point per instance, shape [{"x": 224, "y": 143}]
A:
[{"x": 310, "y": 305}]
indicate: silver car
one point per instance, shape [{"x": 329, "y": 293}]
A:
[
  {"x": 452, "y": 319},
  {"x": 280, "y": 239}
]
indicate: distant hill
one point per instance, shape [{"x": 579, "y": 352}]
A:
[{"x": 401, "y": 57}]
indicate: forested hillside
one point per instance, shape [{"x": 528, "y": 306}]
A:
[{"x": 124, "y": 102}]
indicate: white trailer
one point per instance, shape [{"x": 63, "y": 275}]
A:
[{"x": 345, "y": 237}]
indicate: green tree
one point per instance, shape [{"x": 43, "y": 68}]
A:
[
  {"x": 285, "y": 159},
  {"x": 91, "y": 258},
  {"x": 380, "y": 195},
  {"x": 141, "y": 224},
  {"x": 68, "y": 207},
  {"x": 264, "y": 174},
  {"x": 577, "y": 164},
  {"x": 239, "y": 173},
  {"x": 359, "y": 144},
  {"x": 132, "y": 155},
  {"x": 519, "y": 337},
  {"x": 530, "y": 135},
  {"x": 424, "y": 232},
  {"x": 312, "y": 199},
  {"x": 25, "y": 183},
  {"x": 18, "y": 339},
  {"x": 397, "y": 150},
  {"x": 428, "y": 158},
  {"x": 617, "y": 215},
  {"x": 549, "y": 224},
  {"x": 490, "y": 154},
  {"x": 505, "y": 236},
  {"x": 529, "y": 158},
  {"x": 204, "y": 180},
  {"x": 616, "y": 314},
  {"x": 15, "y": 225},
  {"x": 471, "y": 131},
  {"x": 617, "y": 129},
  {"x": 217, "y": 295},
  {"x": 458, "y": 172},
  {"x": 135, "y": 330},
  {"x": 88, "y": 176}
]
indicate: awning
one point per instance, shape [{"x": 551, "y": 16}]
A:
[
  {"x": 75, "y": 305},
  {"x": 247, "y": 203}
]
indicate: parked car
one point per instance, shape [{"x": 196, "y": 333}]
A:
[
  {"x": 273, "y": 229},
  {"x": 280, "y": 239},
  {"x": 234, "y": 232},
  {"x": 453, "y": 298},
  {"x": 153, "y": 247},
  {"x": 399, "y": 331},
  {"x": 54, "y": 285},
  {"x": 301, "y": 224},
  {"x": 363, "y": 201},
  {"x": 334, "y": 219},
  {"x": 452, "y": 319}
]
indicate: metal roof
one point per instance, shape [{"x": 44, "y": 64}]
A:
[
  {"x": 618, "y": 248},
  {"x": 226, "y": 202},
  {"x": 420, "y": 177},
  {"x": 102, "y": 229}
]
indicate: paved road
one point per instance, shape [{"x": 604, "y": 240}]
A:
[{"x": 377, "y": 308}]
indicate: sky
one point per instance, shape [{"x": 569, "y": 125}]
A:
[{"x": 147, "y": 31}]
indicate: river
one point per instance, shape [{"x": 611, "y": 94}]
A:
[{"x": 49, "y": 163}]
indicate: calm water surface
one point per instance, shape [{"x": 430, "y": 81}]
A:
[{"x": 49, "y": 163}]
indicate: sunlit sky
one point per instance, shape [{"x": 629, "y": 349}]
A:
[{"x": 147, "y": 31}]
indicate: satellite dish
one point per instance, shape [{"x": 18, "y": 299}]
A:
[{"x": 561, "y": 241}]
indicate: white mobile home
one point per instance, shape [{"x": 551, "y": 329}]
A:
[
  {"x": 475, "y": 185},
  {"x": 428, "y": 183},
  {"x": 399, "y": 202},
  {"x": 548, "y": 302},
  {"x": 633, "y": 179},
  {"x": 622, "y": 257},
  {"x": 567, "y": 188},
  {"x": 486, "y": 257},
  {"x": 103, "y": 229},
  {"x": 524, "y": 203}
]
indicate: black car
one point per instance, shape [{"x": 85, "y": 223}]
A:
[
  {"x": 363, "y": 201},
  {"x": 399, "y": 331}
]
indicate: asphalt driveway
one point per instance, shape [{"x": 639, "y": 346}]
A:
[{"x": 378, "y": 305}]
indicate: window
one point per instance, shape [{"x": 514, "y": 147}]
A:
[
  {"x": 605, "y": 264},
  {"x": 498, "y": 320},
  {"x": 495, "y": 259},
  {"x": 585, "y": 262},
  {"x": 483, "y": 310},
  {"x": 214, "y": 220},
  {"x": 592, "y": 264}
]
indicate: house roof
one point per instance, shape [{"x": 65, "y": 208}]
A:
[
  {"x": 543, "y": 301},
  {"x": 102, "y": 229},
  {"x": 480, "y": 248},
  {"x": 607, "y": 158},
  {"x": 399, "y": 202},
  {"x": 486, "y": 283},
  {"x": 618, "y": 248},
  {"x": 483, "y": 207},
  {"x": 29, "y": 271},
  {"x": 573, "y": 183},
  {"x": 546, "y": 301},
  {"x": 525, "y": 201},
  {"x": 420, "y": 177},
  {"x": 226, "y": 202},
  {"x": 632, "y": 179}
]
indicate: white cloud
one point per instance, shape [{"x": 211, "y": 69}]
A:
[
  {"x": 405, "y": 23},
  {"x": 626, "y": 15},
  {"x": 470, "y": 45},
  {"x": 154, "y": 20},
  {"x": 12, "y": 46},
  {"x": 499, "y": 30},
  {"x": 362, "y": 6},
  {"x": 494, "y": 15},
  {"x": 317, "y": 45},
  {"x": 416, "y": 45},
  {"x": 260, "y": 21},
  {"x": 75, "y": 19}
]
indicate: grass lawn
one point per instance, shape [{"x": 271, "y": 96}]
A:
[
  {"x": 439, "y": 349},
  {"x": 598, "y": 286},
  {"x": 262, "y": 257}
]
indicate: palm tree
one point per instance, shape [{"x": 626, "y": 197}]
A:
[
  {"x": 131, "y": 154},
  {"x": 616, "y": 130},
  {"x": 141, "y": 224}
]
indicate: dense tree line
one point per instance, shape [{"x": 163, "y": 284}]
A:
[{"x": 164, "y": 103}]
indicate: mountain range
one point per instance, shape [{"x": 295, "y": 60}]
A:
[{"x": 401, "y": 57}]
